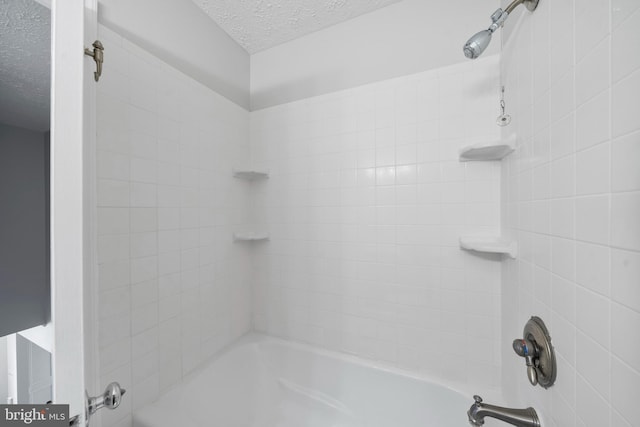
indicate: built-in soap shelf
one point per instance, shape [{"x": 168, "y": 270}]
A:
[
  {"x": 494, "y": 245},
  {"x": 488, "y": 150},
  {"x": 250, "y": 174},
  {"x": 250, "y": 236}
]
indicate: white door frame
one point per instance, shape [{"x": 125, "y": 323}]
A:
[
  {"x": 71, "y": 271},
  {"x": 91, "y": 348}
]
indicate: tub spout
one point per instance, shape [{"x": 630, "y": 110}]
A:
[{"x": 517, "y": 417}]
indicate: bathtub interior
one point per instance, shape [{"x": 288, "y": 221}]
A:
[
  {"x": 268, "y": 383},
  {"x": 374, "y": 397}
]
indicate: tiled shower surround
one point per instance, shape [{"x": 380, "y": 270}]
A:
[
  {"x": 173, "y": 288},
  {"x": 365, "y": 205},
  {"x": 571, "y": 198}
]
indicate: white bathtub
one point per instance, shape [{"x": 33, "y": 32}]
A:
[{"x": 267, "y": 382}]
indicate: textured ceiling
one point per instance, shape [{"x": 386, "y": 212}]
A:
[
  {"x": 260, "y": 24},
  {"x": 25, "y": 62}
]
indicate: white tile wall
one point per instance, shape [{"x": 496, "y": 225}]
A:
[
  {"x": 365, "y": 205},
  {"x": 591, "y": 175},
  {"x": 172, "y": 286}
]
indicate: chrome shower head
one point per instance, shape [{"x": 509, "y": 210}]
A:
[
  {"x": 477, "y": 44},
  {"x": 480, "y": 41}
]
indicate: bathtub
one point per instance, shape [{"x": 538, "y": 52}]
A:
[{"x": 262, "y": 381}]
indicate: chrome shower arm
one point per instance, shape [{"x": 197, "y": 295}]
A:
[
  {"x": 513, "y": 5},
  {"x": 531, "y": 5}
]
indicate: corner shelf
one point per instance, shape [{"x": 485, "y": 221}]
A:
[
  {"x": 486, "y": 151},
  {"x": 494, "y": 245},
  {"x": 247, "y": 235},
  {"x": 250, "y": 175},
  {"x": 250, "y": 236}
]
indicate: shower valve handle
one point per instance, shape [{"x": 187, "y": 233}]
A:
[
  {"x": 536, "y": 348},
  {"x": 527, "y": 349}
]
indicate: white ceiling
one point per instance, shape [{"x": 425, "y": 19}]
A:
[
  {"x": 260, "y": 24},
  {"x": 25, "y": 62}
]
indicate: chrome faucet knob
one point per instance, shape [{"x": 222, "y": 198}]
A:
[
  {"x": 477, "y": 398},
  {"x": 525, "y": 348},
  {"x": 113, "y": 395},
  {"x": 110, "y": 398}
]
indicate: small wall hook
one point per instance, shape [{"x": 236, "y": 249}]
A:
[{"x": 98, "y": 55}]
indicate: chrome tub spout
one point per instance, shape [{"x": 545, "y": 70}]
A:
[{"x": 517, "y": 417}]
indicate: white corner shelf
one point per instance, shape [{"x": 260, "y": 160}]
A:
[
  {"x": 494, "y": 245},
  {"x": 250, "y": 236},
  {"x": 250, "y": 174},
  {"x": 490, "y": 150}
]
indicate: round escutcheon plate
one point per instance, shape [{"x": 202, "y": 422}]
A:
[{"x": 536, "y": 331}]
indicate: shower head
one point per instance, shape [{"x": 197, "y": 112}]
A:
[{"x": 477, "y": 44}]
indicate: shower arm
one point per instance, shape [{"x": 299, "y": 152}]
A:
[
  {"x": 513, "y": 5},
  {"x": 530, "y": 4}
]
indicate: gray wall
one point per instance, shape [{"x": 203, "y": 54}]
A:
[
  {"x": 34, "y": 372},
  {"x": 24, "y": 229}
]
